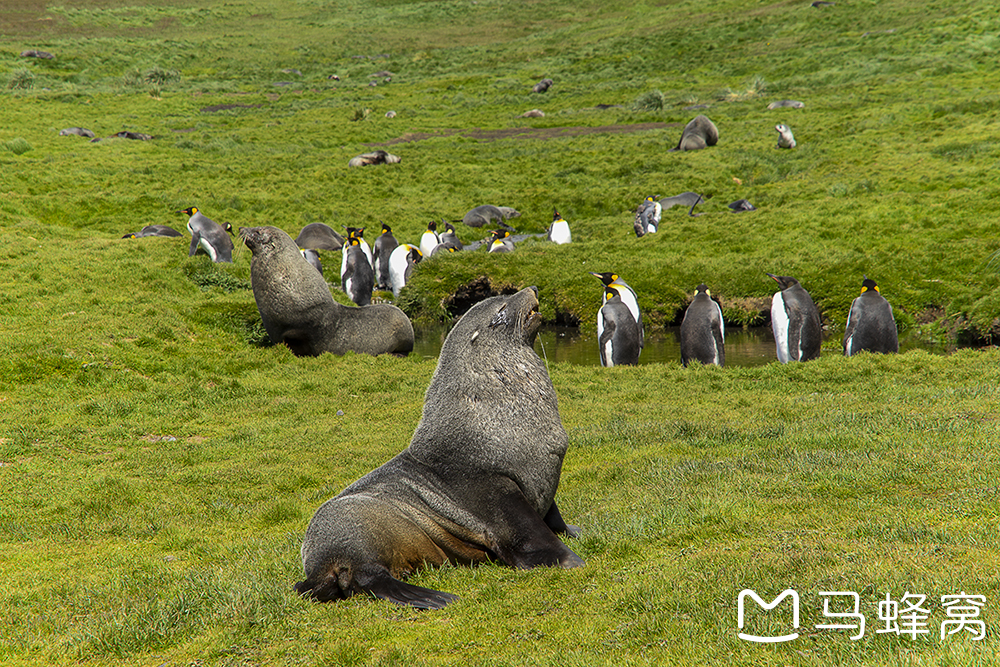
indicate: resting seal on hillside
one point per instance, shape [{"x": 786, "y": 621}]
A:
[
  {"x": 297, "y": 309},
  {"x": 697, "y": 134},
  {"x": 476, "y": 484}
]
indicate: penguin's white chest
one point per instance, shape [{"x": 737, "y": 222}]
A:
[
  {"x": 560, "y": 232},
  {"x": 779, "y": 324}
]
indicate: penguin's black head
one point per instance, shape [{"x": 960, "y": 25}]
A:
[
  {"x": 784, "y": 282},
  {"x": 432, "y": 226},
  {"x": 869, "y": 284},
  {"x": 555, "y": 215},
  {"x": 228, "y": 227},
  {"x": 129, "y": 236},
  {"x": 448, "y": 227},
  {"x": 606, "y": 278},
  {"x": 702, "y": 289},
  {"x": 386, "y": 229},
  {"x": 414, "y": 255},
  {"x": 500, "y": 234},
  {"x": 190, "y": 210}
]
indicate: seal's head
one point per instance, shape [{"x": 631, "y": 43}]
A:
[{"x": 512, "y": 318}]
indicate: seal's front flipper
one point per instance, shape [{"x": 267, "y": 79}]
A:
[
  {"x": 554, "y": 520},
  {"x": 384, "y": 586},
  {"x": 523, "y": 539}
]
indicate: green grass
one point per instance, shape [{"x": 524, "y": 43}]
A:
[{"x": 159, "y": 461}]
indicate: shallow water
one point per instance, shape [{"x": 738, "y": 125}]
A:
[{"x": 744, "y": 347}]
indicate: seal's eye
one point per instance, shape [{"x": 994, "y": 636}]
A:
[{"x": 500, "y": 317}]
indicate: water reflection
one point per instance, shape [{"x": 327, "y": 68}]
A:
[{"x": 744, "y": 347}]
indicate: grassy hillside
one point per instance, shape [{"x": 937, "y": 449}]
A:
[{"x": 159, "y": 461}]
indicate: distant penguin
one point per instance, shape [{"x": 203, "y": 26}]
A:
[
  {"x": 384, "y": 245},
  {"x": 319, "y": 236},
  {"x": 703, "y": 333},
  {"x": 442, "y": 249},
  {"x": 312, "y": 257},
  {"x": 501, "y": 241},
  {"x": 614, "y": 281},
  {"x": 870, "y": 324},
  {"x": 647, "y": 216},
  {"x": 210, "y": 235},
  {"x": 559, "y": 229},
  {"x": 429, "y": 239},
  {"x": 358, "y": 278},
  {"x": 785, "y": 137},
  {"x": 617, "y": 331},
  {"x": 401, "y": 263},
  {"x": 449, "y": 237},
  {"x": 798, "y": 332}
]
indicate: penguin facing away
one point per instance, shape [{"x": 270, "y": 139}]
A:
[
  {"x": 384, "y": 245},
  {"x": 870, "y": 324},
  {"x": 615, "y": 282},
  {"x": 703, "y": 331},
  {"x": 617, "y": 331},
  {"x": 358, "y": 279},
  {"x": 559, "y": 229},
  {"x": 401, "y": 263},
  {"x": 212, "y": 237},
  {"x": 449, "y": 237},
  {"x": 798, "y": 331}
]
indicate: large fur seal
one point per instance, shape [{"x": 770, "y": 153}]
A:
[
  {"x": 297, "y": 309},
  {"x": 476, "y": 484},
  {"x": 697, "y": 134},
  {"x": 487, "y": 214}
]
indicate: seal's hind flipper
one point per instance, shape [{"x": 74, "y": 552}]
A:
[
  {"x": 554, "y": 520},
  {"x": 386, "y": 587}
]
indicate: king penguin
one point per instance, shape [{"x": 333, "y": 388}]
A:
[
  {"x": 384, "y": 245},
  {"x": 614, "y": 281},
  {"x": 647, "y": 216},
  {"x": 798, "y": 332},
  {"x": 358, "y": 278},
  {"x": 617, "y": 331},
  {"x": 429, "y": 240},
  {"x": 870, "y": 324},
  {"x": 210, "y": 235},
  {"x": 312, "y": 256},
  {"x": 501, "y": 241},
  {"x": 559, "y": 229},
  {"x": 401, "y": 263},
  {"x": 703, "y": 332},
  {"x": 449, "y": 237}
]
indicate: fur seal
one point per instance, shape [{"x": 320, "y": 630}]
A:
[
  {"x": 785, "y": 104},
  {"x": 317, "y": 236},
  {"x": 297, "y": 309},
  {"x": 741, "y": 205},
  {"x": 798, "y": 331},
  {"x": 542, "y": 86},
  {"x": 35, "y": 53},
  {"x": 785, "y": 137},
  {"x": 376, "y": 157},
  {"x": 703, "y": 331},
  {"x": 488, "y": 214},
  {"x": 476, "y": 484},
  {"x": 212, "y": 237},
  {"x": 78, "y": 131},
  {"x": 153, "y": 230},
  {"x": 698, "y": 134},
  {"x": 870, "y": 324}
]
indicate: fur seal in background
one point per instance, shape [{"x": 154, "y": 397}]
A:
[
  {"x": 384, "y": 245},
  {"x": 296, "y": 307},
  {"x": 741, "y": 205},
  {"x": 153, "y": 230},
  {"x": 627, "y": 294},
  {"x": 488, "y": 214},
  {"x": 703, "y": 333},
  {"x": 798, "y": 332},
  {"x": 125, "y": 134},
  {"x": 358, "y": 278},
  {"x": 785, "y": 137},
  {"x": 558, "y": 231},
  {"x": 476, "y": 484},
  {"x": 78, "y": 131},
  {"x": 698, "y": 134},
  {"x": 317, "y": 236},
  {"x": 312, "y": 257},
  {"x": 376, "y": 157},
  {"x": 542, "y": 86},
  {"x": 429, "y": 239},
  {"x": 209, "y": 235},
  {"x": 870, "y": 324},
  {"x": 617, "y": 332},
  {"x": 785, "y": 104},
  {"x": 501, "y": 241},
  {"x": 533, "y": 113},
  {"x": 35, "y": 53},
  {"x": 401, "y": 263}
]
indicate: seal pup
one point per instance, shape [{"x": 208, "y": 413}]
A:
[
  {"x": 319, "y": 236},
  {"x": 78, "y": 131},
  {"x": 699, "y": 133},
  {"x": 358, "y": 278},
  {"x": 501, "y": 241},
  {"x": 476, "y": 484},
  {"x": 376, "y": 157},
  {"x": 627, "y": 294},
  {"x": 487, "y": 214},
  {"x": 785, "y": 137},
  {"x": 401, "y": 263},
  {"x": 798, "y": 332},
  {"x": 153, "y": 230},
  {"x": 870, "y": 324},
  {"x": 785, "y": 104},
  {"x": 741, "y": 205},
  {"x": 312, "y": 257},
  {"x": 381, "y": 250},
  {"x": 296, "y": 307},
  {"x": 429, "y": 239},
  {"x": 212, "y": 237},
  {"x": 617, "y": 332},
  {"x": 558, "y": 231},
  {"x": 703, "y": 333}
]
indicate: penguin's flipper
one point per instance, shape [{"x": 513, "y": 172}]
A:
[{"x": 195, "y": 240}]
